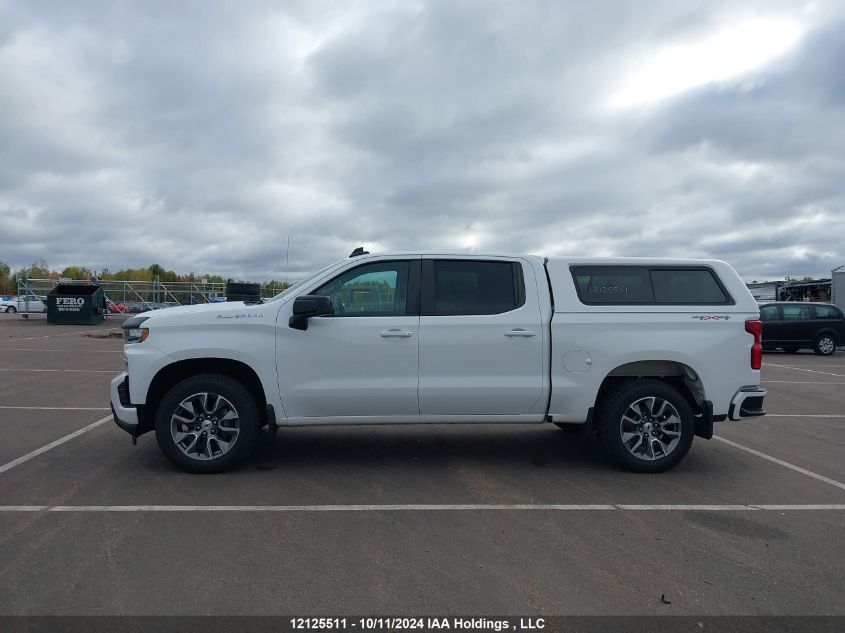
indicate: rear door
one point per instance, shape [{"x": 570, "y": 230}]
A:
[
  {"x": 481, "y": 344},
  {"x": 797, "y": 323}
]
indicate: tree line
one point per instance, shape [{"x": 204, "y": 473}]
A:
[{"x": 41, "y": 270}]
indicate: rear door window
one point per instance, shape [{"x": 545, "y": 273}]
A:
[
  {"x": 796, "y": 312},
  {"x": 453, "y": 287}
]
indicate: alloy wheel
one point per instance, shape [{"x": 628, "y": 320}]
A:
[
  {"x": 205, "y": 426},
  {"x": 826, "y": 345},
  {"x": 650, "y": 428}
]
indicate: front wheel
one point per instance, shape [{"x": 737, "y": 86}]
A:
[
  {"x": 825, "y": 345},
  {"x": 646, "y": 425},
  {"x": 11, "y": 309},
  {"x": 207, "y": 424}
]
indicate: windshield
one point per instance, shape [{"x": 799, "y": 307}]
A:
[{"x": 295, "y": 287}]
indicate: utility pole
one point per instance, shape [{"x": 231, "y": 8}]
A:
[{"x": 287, "y": 263}]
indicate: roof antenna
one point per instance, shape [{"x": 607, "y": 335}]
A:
[{"x": 359, "y": 251}]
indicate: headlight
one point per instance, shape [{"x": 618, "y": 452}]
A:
[{"x": 132, "y": 330}]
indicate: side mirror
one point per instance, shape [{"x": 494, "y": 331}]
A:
[{"x": 307, "y": 306}]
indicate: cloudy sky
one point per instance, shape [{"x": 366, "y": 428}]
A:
[{"x": 199, "y": 135}]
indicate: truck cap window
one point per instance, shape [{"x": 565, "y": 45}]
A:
[
  {"x": 613, "y": 285},
  {"x": 454, "y": 287},
  {"x": 686, "y": 286},
  {"x": 641, "y": 285}
]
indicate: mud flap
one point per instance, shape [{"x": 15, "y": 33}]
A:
[
  {"x": 272, "y": 427},
  {"x": 704, "y": 421}
]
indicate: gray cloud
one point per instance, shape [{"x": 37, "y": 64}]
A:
[{"x": 200, "y": 136}]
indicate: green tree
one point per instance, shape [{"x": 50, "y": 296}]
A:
[
  {"x": 38, "y": 270},
  {"x": 76, "y": 272},
  {"x": 5, "y": 281},
  {"x": 272, "y": 288}
]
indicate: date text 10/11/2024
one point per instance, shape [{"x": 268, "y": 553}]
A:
[{"x": 416, "y": 623}]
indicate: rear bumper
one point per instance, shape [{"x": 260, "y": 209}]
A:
[
  {"x": 124, "y": 412},
  {"x": 747, "y": 403}
]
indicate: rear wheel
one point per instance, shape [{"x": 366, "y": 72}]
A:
[
  {"x": 825, "y": 345},
  {"x": 790, "y": 350},
  {"x": 207, "y": 424},
  {"x": 646, "y": 425}
]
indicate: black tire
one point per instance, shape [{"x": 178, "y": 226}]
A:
[
  {"x": 247, "y": 415},
  {"x": 790, "y": 350},
  {"x": 11, "y": 309},
  {"x": 616, "y": 403},
  {"x": 825, "y": 345}
]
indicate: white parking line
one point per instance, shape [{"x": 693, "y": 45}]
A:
[
  {"x": 75, "y": 351},
  {"x": 805, "y": 415},
  {"x": 32, "y": 338},
  {"x": 800, "y": 382},
  {"x": 434, "y": 508},
  {"x": 60, "y": 371},
  {"x": 54, "y": 444},
  {"x": 780, "y": 462},
  {"x": 812, "y": 371},
  {"x": 807, "y": 366},
  {"x": 56, "y": 408}
]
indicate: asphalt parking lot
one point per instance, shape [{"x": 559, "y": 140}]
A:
[{"x": 403, "y": 520}]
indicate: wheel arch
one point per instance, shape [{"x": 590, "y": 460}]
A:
[
  {"x": 171, "y": 374},
  {"x": 677, "y": 373},
  {"x": 830, "y": 331}
]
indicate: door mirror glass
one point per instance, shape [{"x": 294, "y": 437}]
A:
[{"x": 307, "y": 306}]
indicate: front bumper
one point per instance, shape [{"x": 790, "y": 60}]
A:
[
  {"x": 124, "y": 412},
  {"x": 747, "y": 403}
]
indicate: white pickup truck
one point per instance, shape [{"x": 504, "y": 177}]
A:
[{"x": 646, "y": 353}]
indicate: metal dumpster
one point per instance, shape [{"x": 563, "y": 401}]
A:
[
  {"x": 238, "y": 291},
  {"x": 77, "y": 304}
]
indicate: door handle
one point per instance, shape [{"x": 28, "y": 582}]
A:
[
  {"x": 520, "y": 332},
  {"x": 395, "y": 333}
]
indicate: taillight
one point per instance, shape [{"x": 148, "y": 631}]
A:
[{"x": 756, "y": 328}]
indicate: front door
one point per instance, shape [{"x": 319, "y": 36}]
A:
[
  {"x": 773, "y": 327},
  {"x": 362, "y": 361}
]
